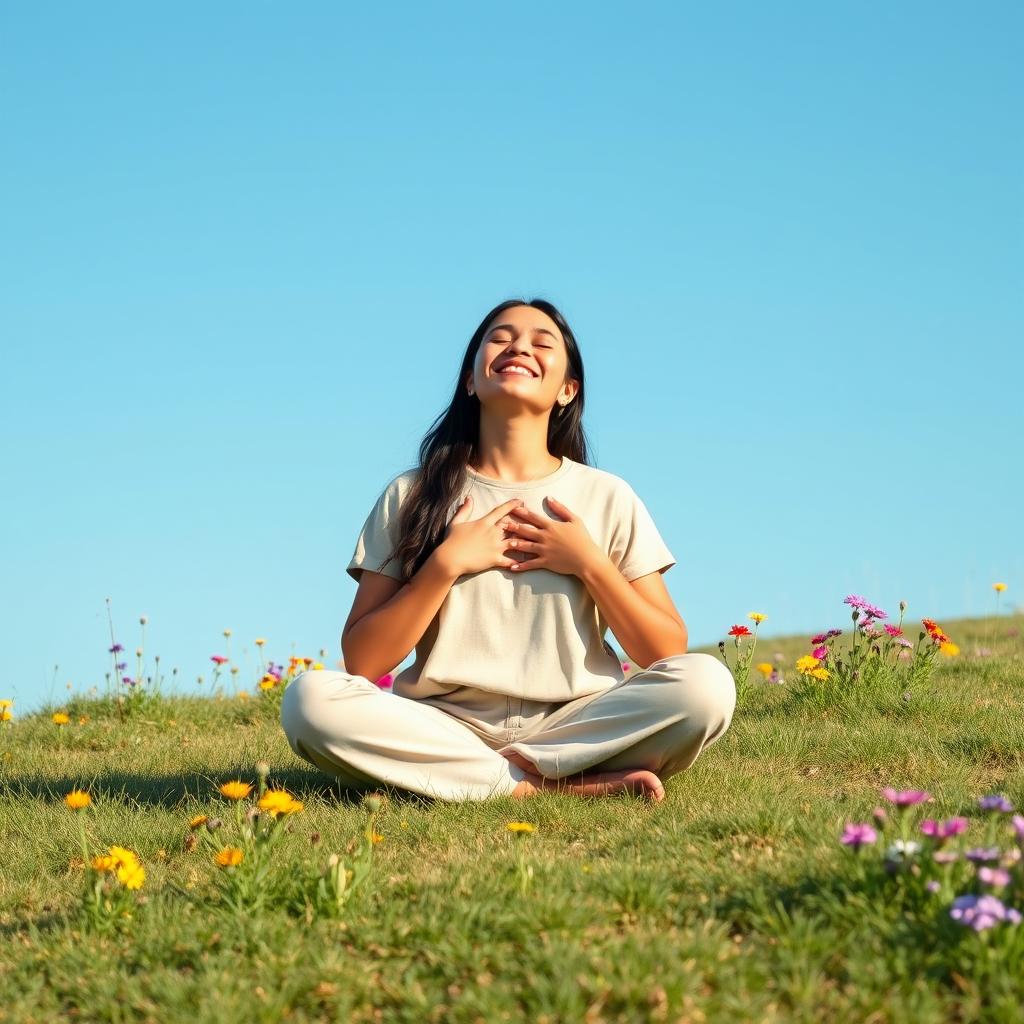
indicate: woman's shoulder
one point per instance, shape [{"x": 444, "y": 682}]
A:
[{"x": 604, "y": 480}]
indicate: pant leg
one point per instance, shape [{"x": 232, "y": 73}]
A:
[
  {"x": 347, "y": 727},
  {"x": 659, "y": 719}
]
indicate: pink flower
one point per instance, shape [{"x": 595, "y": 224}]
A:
[
  {"x": 219, "y": 658},
  {"x": 625, "y": 666},
  {"x": 994, "y": 876},
  {"x": 821, "y": 653},
  {"x": 893, "y": 630},
  {"x": 945, "y": 829},
  {"x": 856, "y": 835},
  {"x": 385, "y": 681},
  {"x": 906, "y": 797}
]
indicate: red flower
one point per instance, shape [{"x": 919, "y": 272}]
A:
[
  {"x": 219, "y": 658},
  {"x": 739, "y": 631}
]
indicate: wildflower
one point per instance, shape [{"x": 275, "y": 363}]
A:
[
  {"x": 819, "y": 673},
  {"x": 981, "y": 854},
  {"x": 932, "y": 885},
  {"x": 519, "y": 826},
  {"x": 279, "y": 801},
  {"x": 996, "y": 877},
  {"x": 131, "y": 876},
  {"x": 854, "y": 601},
  {"x": 268, "y": 683},
  {"x": 874, "y": 612},
  {"x": 6, "y": 715},
  {"x": 766, "y": 668},
  {"x": 892, "y": 630},
  {"x": 372, "y": 802},
  {"x": 318, "y": 666},
  {"x": 115, "y": 649},
  {"x": 738, "y": 631},
  {"x": 757, "y": 617},
  {"x": 905, "y": 798},
  {"x": 262, "y": 769},
  {"x": 950, "y": 649},
  {"x": 236, "y": 790},
  {"x": 857, "y": 835},
  {"x": 385, "y": 681},
  {"x": 218, "y": 658},
  {"x": 833, "y": 632},
  {"x": 198, "y": 821},
  {"x": 903, "y": 642},
  {"x": 806, "y": 663},
  {"x": 945, "y": 856},
  {"x": 6, "y": 704},
  {"x": 82, "y": 719},
  {"x": 260, "y": 641},
  {"x": 945, "y": 829},
  {"x": 998, "y": 587},
  {"x": 376, "y": 837},
  {"x": 981, "y": 912},
  {"x": 227, "y": 632},
  {"x": 995, "y": 802},
  {"x": 1018, "y": 826},
  {"x": 213, "y": 824},
  {"x": 77, "y": 799},
  {"x": 902, "y": 849},
  {"x": 229, "y": 857},
  {"x": 103, "y": 863},
  {"x": 59, "y": 718},
  {"x": 879, "y": 815},
  {"x": 821, "y": 653},
  {"x": 930, "y": 624},
  {"x": 818, "y": 638},
  {"x": 306, "y": 661}
]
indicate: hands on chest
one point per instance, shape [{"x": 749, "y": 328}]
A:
[{"x": 498, "y": 538}]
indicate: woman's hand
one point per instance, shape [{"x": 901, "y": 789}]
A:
[
  {"x": 478, "y": 544},
  {"x": 562, "y": 545}
]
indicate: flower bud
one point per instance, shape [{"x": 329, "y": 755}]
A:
[
  {"x": 143, "y": 620},
  {"x": 879, "y": 815},
  {"x": 212, "y": 824},
  {"x": 372, "y": 803},
  {"x": 262, "y": 769},
  {"x": 138, "y": 652},
  {"x": 903, "y": 606}
]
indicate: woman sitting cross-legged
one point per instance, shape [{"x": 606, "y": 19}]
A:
[{"x": 503, "y": 558}]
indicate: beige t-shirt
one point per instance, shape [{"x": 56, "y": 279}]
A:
[{"x": 534, "y": 633}]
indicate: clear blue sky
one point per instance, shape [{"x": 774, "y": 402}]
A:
[{"x": 244, "y": 245}]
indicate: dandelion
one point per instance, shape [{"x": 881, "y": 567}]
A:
[
  {"x": 858, "y": 835},
  {"x": 738, "y": 631},
  {"x": 236, "y": 790},
  {"x": 131, "y": 876},
  {"x": 995, "y": 802},
  {"x": 77, "y": 799},
  {"x": 998, "y": 587},
  {"x": 519, "y": 826},
  {"x": 268, "y": 683},
  {"x": 6, "y": 714},
  {"x": 279, "y": 801},
  {"x": 819, "y": 673},
  {"x": 260, "y": 641},
  {"x": 198, "y": 821},
  {"x": 59, "y": 718},
  {"x": 949, "y": 649},
  {"x": 229, "y": 857},
  {"x": 807, "y": 663},
  {"x": 766, "y": 668},
  {"x": 757, "y": 617},
  {"x": 4, "y": 704}
]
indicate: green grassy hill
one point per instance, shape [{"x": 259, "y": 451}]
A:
[{"x": 731, "y": 900}]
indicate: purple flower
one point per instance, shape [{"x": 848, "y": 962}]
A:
[
  {"x": 1018, "y": 826},
  {"x": 122, "y": 665},
  {"x": 821, "y": 653},
  {"x": 932, "y": 885},
  {"x": 906, "y": 797},
  {"x": 127, "y": 680},
  {"x": 981, "y": 854},
  {"x": 945, "y": 856},
  {"x": 855, "y": 601},
  {"x": 818, "y": 638},
  {"x": 856, "y": 835},
  {"x": 994, "y": 802},
  {"x": 833, "y": 632},
  {"x": 115, "y": 649},
  {"x": 981, "y": 912},
  {"x": 994, "y": 876},
  {"x": 945, "y": 829}
]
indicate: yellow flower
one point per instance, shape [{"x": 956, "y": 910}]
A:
[
  {"x": 124, "y": 858},
  {"x": 1000, "y": 587},
  {"x": 765, "y": 668},
  {"x": 236, "y": 790},
  {"x": 279, "y": 801},
  {"x": 131, "y": 876},
  {"x": 6, "y": 715},
  {"x": 819, "y": 673},
  {"x": 519, "y": 826},
  {"x": 198, "y": 821},
  {"x": 83, "y": 719},
  {"x": 376, "y": 837},
  {"x": 104, "y": 863},
  {"x": 6, "y": 703},
  {"x": 243, "y": 694},
  {"x": 807, "y": 663},
  {"x": 77, "y": 799},
  {"x": 59, "y": 718},
  {"x": 260, "y": 641},
  {"x": 229, "y": 857},
  {"x": 757, "y": 616},
  {"x": 950, "y": 649},
  {"x": 317, "y": 666},
  {"x": 268, "y": 683}
]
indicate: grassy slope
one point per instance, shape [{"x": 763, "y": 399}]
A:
[{"x": 725, "y": 902}]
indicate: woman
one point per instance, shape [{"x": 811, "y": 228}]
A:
[{"x": 503, "y": 558}]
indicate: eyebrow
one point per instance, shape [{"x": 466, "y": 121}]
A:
[{"x": 510, "y": 327}]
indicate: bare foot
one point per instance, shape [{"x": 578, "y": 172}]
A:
[{"x": 638, "y": 782}]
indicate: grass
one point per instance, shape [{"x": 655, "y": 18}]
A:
[{"x": 730, "y": 901}]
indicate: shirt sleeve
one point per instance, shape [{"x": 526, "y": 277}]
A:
[
  {"x": 378, "y": 536},
  {"x": 637, "y": 547}
]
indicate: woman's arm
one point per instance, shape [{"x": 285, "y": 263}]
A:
[
  {"x": 380, "y": 639},
  {"x": 646, "y": 631}
]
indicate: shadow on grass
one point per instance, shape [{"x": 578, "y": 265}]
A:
[{"x": 172, "y": 790}]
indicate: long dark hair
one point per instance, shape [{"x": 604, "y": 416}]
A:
[{"x": 453, "y": 440}]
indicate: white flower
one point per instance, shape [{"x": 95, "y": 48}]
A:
[{"x": 902, "y": 849}]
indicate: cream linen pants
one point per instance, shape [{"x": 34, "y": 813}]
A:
[{"x": 450, "y": 747}]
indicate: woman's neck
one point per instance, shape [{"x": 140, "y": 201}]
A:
[{"x": 514, "y": 449}]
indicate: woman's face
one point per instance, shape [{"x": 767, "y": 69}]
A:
[{"x": 530, "y": 338}]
